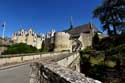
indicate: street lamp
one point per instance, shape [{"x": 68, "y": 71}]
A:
[{"x": 3, "y": 33}]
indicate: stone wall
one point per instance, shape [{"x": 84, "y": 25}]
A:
[
  {"x": 68, "y": 60},
  {"x": 86, "y": 40},
  {"x": 4, "y": 43},
  {"x": 62, "y": 41},
  {"x": 57, "y": 71},
  {"x": 2, "y": 49},
  {"x": 72, "y": 62},
  {"x": 39, "y": 43},
  {"x": 54, "y": 73},
  {"x": 27, "y": 57}
]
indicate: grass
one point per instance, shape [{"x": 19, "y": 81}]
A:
[
  {"x": 100, "y": 60},
  {"x": 110, "y": 63},
  {"x": 96, "y": 60}
]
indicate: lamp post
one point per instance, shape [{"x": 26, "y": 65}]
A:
[{"x": 3, "y": 33}]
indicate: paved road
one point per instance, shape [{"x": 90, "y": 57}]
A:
[
  {"x": 21, "y": 74},
  {"x": 18, "y": 74}
]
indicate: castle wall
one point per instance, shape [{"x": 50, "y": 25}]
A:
[
  {"x": 21, "y": 39},
  {"x": 28, "y": 37},
  {"x": 38, "y": 43},
  {"x": 14, "y": 38},
  {"x": 86, "y": 40},
  {"x": 62, "y": 41},
  {"x": 30, "y": 40}
]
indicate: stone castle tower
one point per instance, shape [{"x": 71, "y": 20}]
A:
[{"x": 62, "y": 41}]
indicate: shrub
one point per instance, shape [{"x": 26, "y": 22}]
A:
[
  {"x": 20, "y": 48},
  {"x": 87, "y": 50}
]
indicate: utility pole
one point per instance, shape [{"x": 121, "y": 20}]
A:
[
  {"x": 3, "y": 33},
  {"x": 71, "y": 22}
]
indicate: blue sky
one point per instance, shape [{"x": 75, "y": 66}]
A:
[{"x": 43, "y": 15}]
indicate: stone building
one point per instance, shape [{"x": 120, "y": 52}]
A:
[
  {"x": 4, "y": 44},
  {"x": 29, "y": 37},
  {"x": 49, "y": 40},
  {"x": 75, "y": 38}
]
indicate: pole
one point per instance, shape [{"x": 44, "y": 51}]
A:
[
  {"x": 3, "y": 34},
  {"x": 71, "y": 23}
]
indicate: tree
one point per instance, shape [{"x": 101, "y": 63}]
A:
[
  {"x": 95, "y": 41},
  {"x": 111, "y": 13}
]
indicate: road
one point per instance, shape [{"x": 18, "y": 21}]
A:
[{"x": 19, "y": 74}]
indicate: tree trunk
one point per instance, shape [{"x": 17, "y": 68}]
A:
[
  {"x": 113, "y": 24},
  {"x": 109, "y": 31},
  {"x": 114, "y": 28}
]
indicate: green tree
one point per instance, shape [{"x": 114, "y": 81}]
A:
[
  {"x": 111, "y": 13},
  {"x": 95, "y": 41},
  {"x": 20, "y": 48}
]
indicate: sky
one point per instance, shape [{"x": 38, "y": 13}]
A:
[{"x": 44, "y": 15}]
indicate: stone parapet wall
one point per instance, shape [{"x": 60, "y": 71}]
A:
[
  {"x": 54, "y": 73},
  {"x": 68, "y": 60},
  {"x": 27, "y": 57}
]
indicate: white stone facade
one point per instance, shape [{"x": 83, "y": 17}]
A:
[{"x": 28, "y": 37}]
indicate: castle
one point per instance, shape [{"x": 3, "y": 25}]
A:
[
  {"x": 29, "y": 37},
  {"x": 73, "y": 39}
]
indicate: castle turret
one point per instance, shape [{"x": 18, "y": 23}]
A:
[
  {"x": 14, "y": 37},
  {"x": 30, "y": 37},
  {"x": 21, "y": 36},
  {"x": 62, "y": 42},
  {"x": 39, "y": 42}
]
